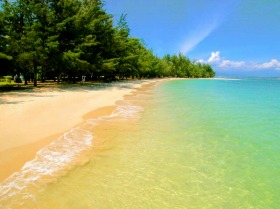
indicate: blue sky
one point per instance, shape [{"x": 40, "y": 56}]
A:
[{"x": 237, "y": 37}]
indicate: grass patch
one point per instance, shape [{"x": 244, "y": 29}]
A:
[
  {"x": 6, "y": 83},
  {"x": 6, "y": 80}
]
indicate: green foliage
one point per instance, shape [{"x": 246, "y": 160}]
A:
[
  {"x": 5, "y": 83},
  {"x": 5, "y": 80},
  {"x": 5, "y": 57},
  {"x": 70, "y": 38}
]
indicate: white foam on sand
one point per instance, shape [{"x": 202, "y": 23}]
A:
[
  {"x": 58, "y": 158},
  {"x": 51, "y": 162}
]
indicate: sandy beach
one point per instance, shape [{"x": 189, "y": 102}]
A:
[{"x": 32, "y": 119}]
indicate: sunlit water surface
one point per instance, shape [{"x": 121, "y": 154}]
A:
[{"x": 178, "y": 144}]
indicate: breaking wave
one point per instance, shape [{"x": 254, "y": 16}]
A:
[{"x": 57, "y": 159}]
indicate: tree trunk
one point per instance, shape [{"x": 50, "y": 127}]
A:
[
  {"x": 35, "y": 74},
  {"x": 42, "y": 75},
  {"x": 25, "y": 79}
]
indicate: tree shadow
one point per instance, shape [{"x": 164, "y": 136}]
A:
[{"x": 45, "y": 90}]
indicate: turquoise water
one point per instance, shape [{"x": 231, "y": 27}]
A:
[
  {"x": 193, "y": 144},
  {"x": 229, "y": 130},
  {"x": 227, "y": 134},
  {"x": 219, "y": 142}
]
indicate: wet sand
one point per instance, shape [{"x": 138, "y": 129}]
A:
[{"x": 32, "y": 119}]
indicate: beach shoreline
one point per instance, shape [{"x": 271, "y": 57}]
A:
[{"x": 30, "y": 120}]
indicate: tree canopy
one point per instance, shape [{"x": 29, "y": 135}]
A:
[{"x": 65, "y": 39}]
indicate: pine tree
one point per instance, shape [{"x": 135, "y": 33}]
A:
[
  {"x": 70, "y": 38},
  {"x": 5, "y": 59}
]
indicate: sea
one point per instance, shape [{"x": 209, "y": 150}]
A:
[{"x": 184, "y": 143}]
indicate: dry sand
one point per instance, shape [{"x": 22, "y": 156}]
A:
[{"x": 31, "y": 119}]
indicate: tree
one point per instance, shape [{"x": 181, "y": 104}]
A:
[
  {"x": 96, "y": 38},
  {"x": 23, "y": 41},
  {"x": 5, "y": 59},
  {"x": 66, "y": 39}
]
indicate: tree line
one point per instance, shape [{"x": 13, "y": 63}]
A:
[{"x": 65, "y": 39}]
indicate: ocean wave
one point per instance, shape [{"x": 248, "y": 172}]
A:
[
  {"x": 51, "y": 162},
  {"x": 127, "y": 112},
  {"x": 227, "y": 79},
  {"x": 57, "y": 159}
]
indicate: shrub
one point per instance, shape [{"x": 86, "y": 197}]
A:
[{"x": 8, "y": 78}]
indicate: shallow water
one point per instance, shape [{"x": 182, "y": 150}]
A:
[{"x": 179, "y": 144}]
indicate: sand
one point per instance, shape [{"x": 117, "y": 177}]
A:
[{"x": 31, "y": 119}]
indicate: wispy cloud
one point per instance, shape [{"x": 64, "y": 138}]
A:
[
  {"x": 205, "y": 20},
  {"x": 216, "y": 60},
  {"x": 197, "y": 36}
]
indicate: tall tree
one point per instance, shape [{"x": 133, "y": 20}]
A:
[
  {"x": 5, "y": 59},
  {"x": 96, "y": 36},
  {"x": 19, "y": 19},
  {"x": 70, "y": 38}
]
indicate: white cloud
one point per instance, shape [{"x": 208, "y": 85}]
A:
[
  {"x": 216, "y": 60},
  {"x": 232, "y": 64},
  {"x": 273, "y": 64},
  {"x": 215, "y": 57}
]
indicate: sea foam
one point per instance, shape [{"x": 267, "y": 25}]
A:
[
  {"x": 51, "y": 162},
  {"x": 57, "y": 159}
]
